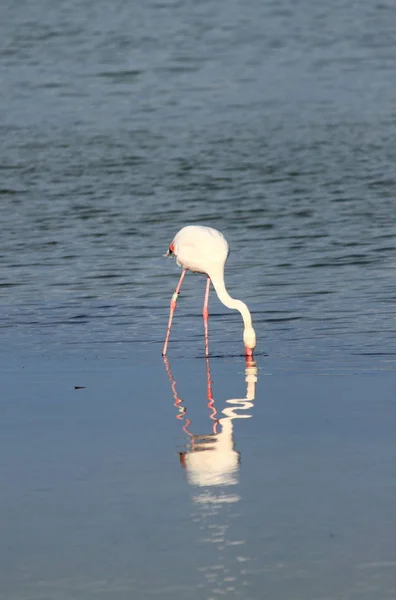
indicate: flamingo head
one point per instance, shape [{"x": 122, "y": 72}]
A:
[{"x": 249, "y": 339}]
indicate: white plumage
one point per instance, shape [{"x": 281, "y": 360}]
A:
[{"x": 201, "y": 249}]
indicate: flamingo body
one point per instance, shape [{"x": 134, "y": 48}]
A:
[
  {"x": 200, "y": 249},
  {"x": 205, "y": 250}
]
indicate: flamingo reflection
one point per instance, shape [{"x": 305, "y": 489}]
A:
[
  {"x": 212, "y": 464},
  {"x": 211, "y": 459}
]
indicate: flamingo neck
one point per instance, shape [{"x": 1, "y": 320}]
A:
[{"x": 217, "y": 279}]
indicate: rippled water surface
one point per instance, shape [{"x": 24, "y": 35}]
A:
[{"x": 274, "y": 122}]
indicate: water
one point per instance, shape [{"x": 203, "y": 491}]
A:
[
  {"x": 272, "y": 122},
  {"x": 120, "y": 123},
  {"x": 96, "y": 503}
]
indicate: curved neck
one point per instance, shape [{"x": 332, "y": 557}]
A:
[{"x": 217, "y": 279}]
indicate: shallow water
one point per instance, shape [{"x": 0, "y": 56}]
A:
[
  {"x": 118, "y": 490},
  {"x": 119, "y": 123}
]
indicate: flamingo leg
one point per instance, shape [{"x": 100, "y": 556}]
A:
[
  {"x": 172, "y": 310},
  {"x": 205, "y": 314}
]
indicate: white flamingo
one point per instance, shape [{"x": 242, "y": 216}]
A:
[{"x": 205, "y": 250}]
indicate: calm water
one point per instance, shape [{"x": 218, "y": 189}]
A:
[
  {"x": 119, "y": 123},
  {"x": 95, "y": 502}
]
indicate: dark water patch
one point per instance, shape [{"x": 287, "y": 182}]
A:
[
  {"x": 391, "y": 249},
  {"x": 258, "y": 353},
  {"x": 304, "y": 294},
  {"x": 126, "y": 76},
  {"x": 283, "y": 319},
  {"x": 260, "y": 226},
  {"x": 51, "y": 85},
  {"x": 343, "y": 261},
  {"x": 375, "y": 353},
  {"x": 10, "y": 192}
]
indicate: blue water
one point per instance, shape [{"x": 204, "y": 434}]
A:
[
  {"x": 119, "y": 124},
  {"x": 95, "y": 501},
  {"x": 272, "y": 122}
]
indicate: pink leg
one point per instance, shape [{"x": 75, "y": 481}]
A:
[
  {"x": 172, "y": 310},
  {"x": 205, "y": 314}
]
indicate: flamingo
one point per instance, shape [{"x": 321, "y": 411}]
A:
[{"x": 205, "y": 250}]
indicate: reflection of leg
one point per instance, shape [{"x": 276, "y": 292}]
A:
[
  {"x": 181, "y": 410},
  {"x": 211, "y": 404},
  {"x": 172, "y": 310},
  {"x": 205, "y": 314}
]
